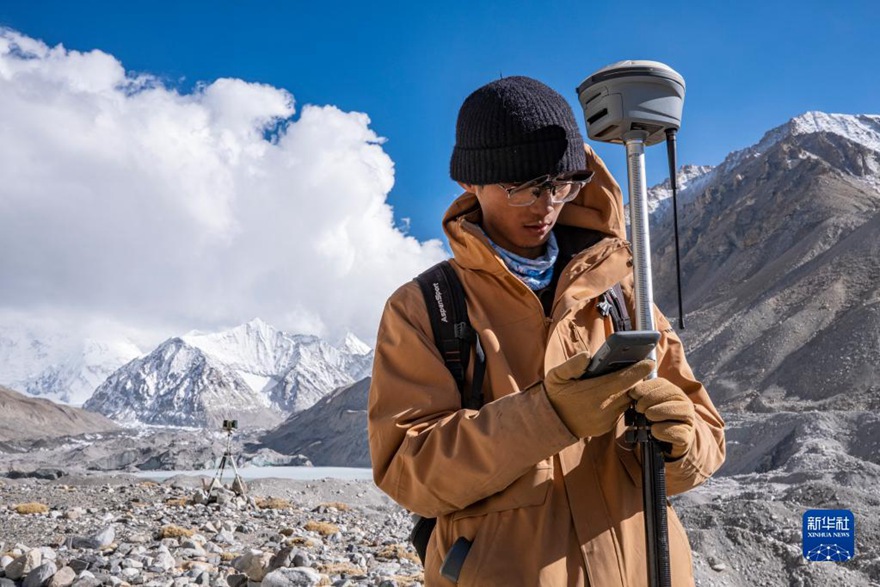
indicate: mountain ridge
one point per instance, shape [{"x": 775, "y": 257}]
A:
[
  {"x": 253, "y": 372},
  {"x": 778, "y": 251},
  {"x": 24, "y": 418}
]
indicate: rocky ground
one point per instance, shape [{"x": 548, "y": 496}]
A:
[
  {"x": 746, "y": 532},
  {"x": 94, "y": 526},
  {"x": 116, "y": 530}
]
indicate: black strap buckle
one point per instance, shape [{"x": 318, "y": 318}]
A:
[{"x": 463, "y": 331}]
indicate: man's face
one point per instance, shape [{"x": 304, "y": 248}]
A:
[{"x": 523, "y": 230}]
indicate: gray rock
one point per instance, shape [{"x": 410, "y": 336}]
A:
[
  {"x": 4, "y": 582},
  {"x": 63, "y": 578},
  {"x": 283, "y": 558},
  {"x": 103, "y": 578},
  {"x": 44, "y": 473},
  {"x": 48, "y": 554},
  {"x": 138, "y": 538},
  {"x": 104, "y": 537},
  {"x": 193, "y": 551},
  {"x": 301, "y": 559},
  {"x": 192, "y": 543},
  {"x": 80, "y": 543},
  {"x": 238, "y": 486},
  {"x": 292, "y": 577},
  {"x": 164, "y": 561},
  {"x": 24, "y": 564},
  {"x": 5, "y": 560},
  {"x": 82, "y": 581},
  {"x": 221, "y": 496},
  {"x": 78, "y": 565},
  {"x": 236, "y": 580},
  {"x": 225, "y": 537},
  {"x": 254, "y": 564},
  {"x": 386, "y": 569},
  {"x": 40, "y": 576},
  {"x": 198, "y": 567}
]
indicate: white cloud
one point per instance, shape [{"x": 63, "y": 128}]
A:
[{"x": 126, "y": 202}]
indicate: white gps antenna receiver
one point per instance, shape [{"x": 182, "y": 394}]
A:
[{"x": 638, "y": 104}]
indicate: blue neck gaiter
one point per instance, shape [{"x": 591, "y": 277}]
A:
[{"x": 535, "y": 273}]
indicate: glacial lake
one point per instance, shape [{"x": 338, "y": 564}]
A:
[{"x": 295, "y": 473}]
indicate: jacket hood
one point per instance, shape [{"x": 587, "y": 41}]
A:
[{"x": 598, "y": 206}]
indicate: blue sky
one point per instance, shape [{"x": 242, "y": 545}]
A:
[
  {"x": 159, "y": 207},
  {"x": 749, "y": 66}
]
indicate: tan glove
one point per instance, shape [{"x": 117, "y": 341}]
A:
[
  {"x": 591, "y": 407},
  {"x": 670, "y": 412}
]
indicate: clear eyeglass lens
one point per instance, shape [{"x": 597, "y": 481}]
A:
[{"x": 560, "y": 192}]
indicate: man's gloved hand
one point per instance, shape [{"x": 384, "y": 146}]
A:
[
  {"x": 591, "y": 407},
  {"x": 669, "y": 410}
]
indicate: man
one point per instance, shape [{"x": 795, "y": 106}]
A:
[{"x": 539, "y": 480}]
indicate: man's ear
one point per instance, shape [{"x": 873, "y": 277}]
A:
[{"x": 468, "y": 187}]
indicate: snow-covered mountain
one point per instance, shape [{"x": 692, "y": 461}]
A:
[
  {"x": 45, "y": 362},
  {"x": 253, "y": 373},
  {"x": 781, "y": 265},
  {"x": 689, "y": 178},
  {"x": 861, "y": 131}
]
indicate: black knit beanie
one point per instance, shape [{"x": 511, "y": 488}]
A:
[{"x": 515, "y": 129}]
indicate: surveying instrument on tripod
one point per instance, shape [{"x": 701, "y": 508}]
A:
[
  {"x": 238, "y": 486},
  {"x": 639, "y": 104}
]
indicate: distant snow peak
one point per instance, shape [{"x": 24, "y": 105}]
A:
[
  {"x": 863, "y": 129},
  {"x": 258, "y": 325},
  {"x": 55, "y": 366},
  {"x": 354, "y": 345},
  {"x": 687, "y": 177},
  {"x": 251, "y": 372}
]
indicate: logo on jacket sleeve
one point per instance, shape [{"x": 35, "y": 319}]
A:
[{"x": 829, "y": 535}]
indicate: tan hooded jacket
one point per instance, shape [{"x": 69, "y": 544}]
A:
[{"x": 541, "y": 506}]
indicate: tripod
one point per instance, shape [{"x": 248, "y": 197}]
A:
[{"x": 238, "y": 485}]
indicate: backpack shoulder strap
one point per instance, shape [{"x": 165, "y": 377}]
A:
[
  {"x": 618, "y": 300},
  {"x": 611, "y": 303},
  {"x": 453, "y": 334}
]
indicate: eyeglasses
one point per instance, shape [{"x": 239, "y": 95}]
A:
[{"x": 562, "y": 188}]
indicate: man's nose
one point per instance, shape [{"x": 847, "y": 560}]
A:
[{"x": 544, "y": 200}]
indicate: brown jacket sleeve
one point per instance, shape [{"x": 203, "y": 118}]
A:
[
  {"x": 708, "y": 451},
  {"x": 429, "y": 454}
]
